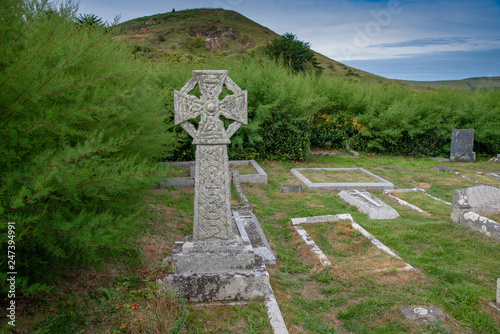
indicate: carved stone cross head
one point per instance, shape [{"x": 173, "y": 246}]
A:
[{"x": 208, "y": 107}]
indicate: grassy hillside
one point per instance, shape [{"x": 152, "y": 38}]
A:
[
  {"x": 198, "y": 35},
  {"x": 189, "y": 35},
  {"x": 471, "y": 84}
]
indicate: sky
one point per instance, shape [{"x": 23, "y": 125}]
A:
[{"x": 397, "y": 39}]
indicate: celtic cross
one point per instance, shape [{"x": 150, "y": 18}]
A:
[{"x": 212, "y": 207}]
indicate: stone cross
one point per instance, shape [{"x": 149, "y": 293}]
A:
[{"x": 212, "y": 206}]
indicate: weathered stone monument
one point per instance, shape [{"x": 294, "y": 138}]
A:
[
  {"x": 469, "y": 206},
  {"x": 495, "y": 159},
  {"x": 216, "y": 263},
  {"x": 462, "y": 141}
]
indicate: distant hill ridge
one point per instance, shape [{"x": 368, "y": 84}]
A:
[{"x": 471, "y": 84}]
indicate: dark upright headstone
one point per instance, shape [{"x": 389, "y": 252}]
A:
[{"x": 462, "y": 141}]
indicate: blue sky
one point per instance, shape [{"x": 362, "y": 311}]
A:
[{"x": 397, "y": 39}]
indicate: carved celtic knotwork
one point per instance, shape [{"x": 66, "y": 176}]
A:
[
  {"x": 212, "y": 192},
  {"x": 208, "y": 107},
  {"x": 212, "y": 209}
]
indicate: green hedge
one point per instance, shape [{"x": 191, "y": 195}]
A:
[{"x": 82, "y": 126}]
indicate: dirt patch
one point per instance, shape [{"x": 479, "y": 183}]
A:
[
  {"x": 279, "y": 215},
  {"x": 154, "y": 248}
]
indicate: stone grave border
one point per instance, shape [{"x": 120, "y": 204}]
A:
[
  {"x": 188, "y": 181},
  {"x": 411, "y": 206},
  {"x": 380, "y": 185},
  {"x": 496, "y": 306},
  {"x": 235, "y": 177},
  {"x": 296, "y": 222},
  {"x": 273, "y": 309},
  {"x": 494, "y": 175}
]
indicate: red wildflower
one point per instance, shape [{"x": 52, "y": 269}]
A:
[
  {"x": 120, "y": 307},
  {"x": 135, "y": 306}
]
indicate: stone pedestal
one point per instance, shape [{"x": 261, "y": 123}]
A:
[
  {"x": 212, "y": 256},
  {"x": 207, "y": 271}
]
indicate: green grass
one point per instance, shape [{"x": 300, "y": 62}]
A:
[
  {"x": 244, "y": 169},
  {"x": 457, "y": 268},
  {"x": 327, "y": 176},
  {"x": 453, "y": 271},
  {"x": 425, "y": 203}
]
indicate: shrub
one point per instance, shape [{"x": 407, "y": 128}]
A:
[{"x": 82, "y": 125}]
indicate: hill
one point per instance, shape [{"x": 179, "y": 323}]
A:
[
  {"x": 197, "y": 34},
  {"x": 471, "y": 84}
]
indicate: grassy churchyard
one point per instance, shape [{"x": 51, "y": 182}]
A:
[{"x": 456, "y": 271}]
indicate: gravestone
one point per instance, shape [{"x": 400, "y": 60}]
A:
[
  {"x": 368, "y": 204},
  {"x": 462, "y": 141},
  {"x": 216, "y": 263},
  {"x": 470, "y": 206}
]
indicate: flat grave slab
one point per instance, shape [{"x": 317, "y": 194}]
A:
[
  {"x": 444, "y": 169},
  {"x": 494, "y": 175},
  {"x": 291, "y": 188},
  {"x": 441, "y": 159},
  {"x": 423, "y": 314},
  {"x": 368, "y": 204},
  {"x": 377, "y": 184},
  {"x": 250, "y": 227}
]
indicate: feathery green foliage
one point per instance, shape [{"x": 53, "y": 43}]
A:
[
  {"x": 292, "y": 52},
  {"x": 81, "y": 127},
  {"x": 290, "y": 114}
]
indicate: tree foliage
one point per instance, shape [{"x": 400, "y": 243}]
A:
[
  {"x": 90, "y": 20},
  {"x": 293, "y": 53},
  {"x": 81, "y": 127}
]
